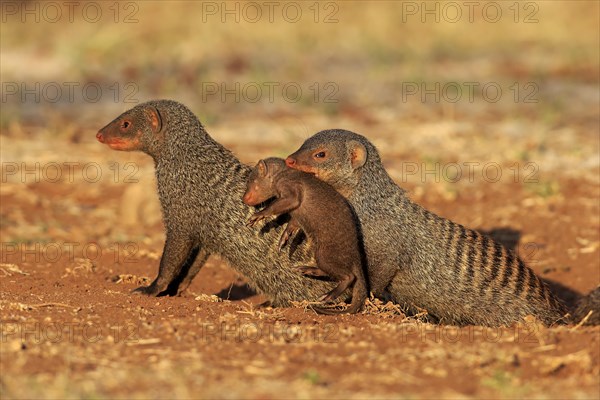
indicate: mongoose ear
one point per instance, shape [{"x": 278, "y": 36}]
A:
[
  {"x": 358, "y": 154},
  {"x": 262, "y": 168},
  {"x": 155, "y": 119}
]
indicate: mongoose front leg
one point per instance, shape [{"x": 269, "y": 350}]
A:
[
  {"x": 289, "y": 199},
  {"x": 177, "y": 251},
  {"x": 257, "y": 216},
  {"x": 290, "y": 230},
  {"x": 193, "y": 271}
]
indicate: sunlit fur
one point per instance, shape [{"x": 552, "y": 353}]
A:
[
  {"x": 200, "y": 185},
  {"x": 427, "y": 262}
]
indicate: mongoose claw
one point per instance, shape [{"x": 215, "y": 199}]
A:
[
  {"x": 326, "y": 298},
  {"x": 285, "y": 237},
  {"x": 253, "y": 220},
  {"x": 282, "y": 242}
]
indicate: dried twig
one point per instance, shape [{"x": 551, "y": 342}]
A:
[{"x": 583, "y": 321}]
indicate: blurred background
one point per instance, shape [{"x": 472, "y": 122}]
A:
[
  {"x": 487, "y": 112},
  {"x": 461, "y": 99},
  {"x": 404, "y": 70}
]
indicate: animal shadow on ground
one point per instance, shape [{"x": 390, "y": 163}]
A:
[
  {"x": 237, "y": 291},
  {"x": 509, "y": 238}
]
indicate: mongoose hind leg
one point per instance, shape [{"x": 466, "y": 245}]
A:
[{"x": 343, "y": 284}]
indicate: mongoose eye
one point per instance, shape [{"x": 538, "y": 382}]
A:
[{"x": 320, "y": 154}]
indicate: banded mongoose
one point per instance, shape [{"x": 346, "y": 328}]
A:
[
  {"x": 200, "y": 185},
  {"x": 457, "y": 274},
  {"x": 324, "y": 216}
]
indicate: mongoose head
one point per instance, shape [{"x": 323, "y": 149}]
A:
[
  {"x": 140, "y": 128},
  {"x": 259, "y": 187},
  {"x": 335, "y": 156}
]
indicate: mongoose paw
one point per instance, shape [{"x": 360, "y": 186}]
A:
[
  {"x": 285, "y": 237},
  {"x": 282, "y": 242},
  {"x": 146, "y": 290},
  {"x": 254, "y": 219}
]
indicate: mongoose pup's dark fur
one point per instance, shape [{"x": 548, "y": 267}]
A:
[
  {"x": 324, "y": 216},
  {"x": 200, "y": 185},
  {"x": 457, "y": 274}
]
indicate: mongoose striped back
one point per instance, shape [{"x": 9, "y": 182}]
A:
[
  {"x": 424, "y": 261},
  {"x": 487, "y": 270}
]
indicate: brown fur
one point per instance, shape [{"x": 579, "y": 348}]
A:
[{"x": 325, "y": 217}]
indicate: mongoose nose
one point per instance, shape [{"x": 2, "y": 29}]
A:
[
  {"x": 290, "y": 162},
  {"x": 246, "y": 198},
  {"x": 100, "y": 137}
]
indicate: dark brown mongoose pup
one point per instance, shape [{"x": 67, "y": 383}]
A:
[
  {"x": 200, "y": 184},
  {"x": 324, "y": 216},
  {"x": 458, "y": 275}
]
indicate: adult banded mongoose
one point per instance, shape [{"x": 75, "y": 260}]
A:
[
  {"x": 200, "y": 185},
  {"x": 457, "y": 274},
  {"x": 324, "y": 216}
]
